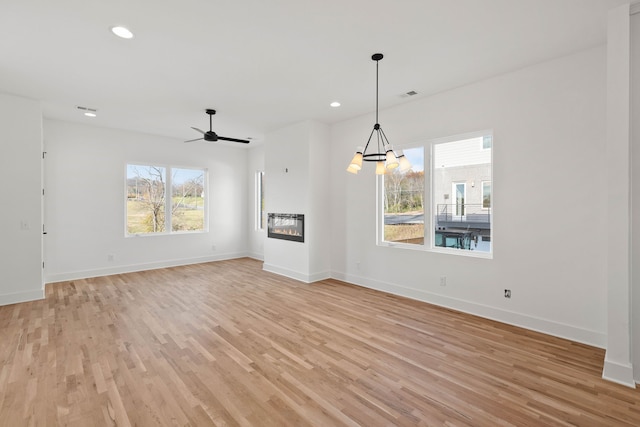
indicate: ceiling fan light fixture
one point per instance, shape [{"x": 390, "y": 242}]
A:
[{"x": 381, "y": 151}]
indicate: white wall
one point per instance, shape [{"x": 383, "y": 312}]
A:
[
  {"x": 84, "y": 203},
  {"x": 21, "y": 196},
  {"x": 319, "y": 220},
  {"x": 295, "y": 165},
  {"x": 256, "y": 236},
  {"x": 549, "y": 182},
  {"x": 617, "y": 361},
  {"x": 286, "y": 154},
  {"x": 635, "y": 186}
]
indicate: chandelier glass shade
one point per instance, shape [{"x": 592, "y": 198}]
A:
[{"x": 381, "y": 152}]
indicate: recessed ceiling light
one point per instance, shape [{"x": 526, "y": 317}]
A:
[
  {"x": 335, "y": 104},
  {"x": 122, "y": 32},
  {"x": 90, "y": 114}
]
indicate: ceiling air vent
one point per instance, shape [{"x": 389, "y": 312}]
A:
[
  {"x": 79, "y": 107},
  {"x": 408, "y": 94}
]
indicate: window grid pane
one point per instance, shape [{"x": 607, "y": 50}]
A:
[
  {"x": 461, "y": 192},
  {"x": 404, "y": 201},
  {"x": 145, "y": 199},
  {"x": 187, "y": 199}
]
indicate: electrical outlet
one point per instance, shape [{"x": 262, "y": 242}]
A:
[
  {"x": 358, "y": 265},
  {"x": 111, "y": 257},
  {"x": 443, "y": 280},
  {"x": 507, "y": 293},
  {"x": 213, "y": 247}
]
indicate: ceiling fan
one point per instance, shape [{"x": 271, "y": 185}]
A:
[{"x": 211, "y": 135}]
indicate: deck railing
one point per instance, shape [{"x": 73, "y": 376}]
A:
[{"x": 463, "y": 213}]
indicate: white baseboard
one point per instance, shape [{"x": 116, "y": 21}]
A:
[
  {"x": 256, "y": 255},
  {"x": 593, "y": 338},
  {"x": 17, "y": 297},
  {"x": 77, "y": 275},
  {"x": 316, "y": 277},
  {"x": 621, "y": 373},
  {"x": 302, "y": 277}
]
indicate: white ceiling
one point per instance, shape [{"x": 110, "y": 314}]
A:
[{"x": 265, "y": 64}]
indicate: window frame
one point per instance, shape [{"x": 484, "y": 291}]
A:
[
  {"x": 380, "y": 195},
  {"x": 168, "y": 200},
  {"x": 428, "y": 245},
  {"x": 260, "y": 214}
]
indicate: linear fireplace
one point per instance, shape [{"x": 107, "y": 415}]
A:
[{"x": 286, "y": 227}]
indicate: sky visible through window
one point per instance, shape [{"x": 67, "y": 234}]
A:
[
  {"x": 415, "y": 156},
  {"x": 180, "y": 178}
]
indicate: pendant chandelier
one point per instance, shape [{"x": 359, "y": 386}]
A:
[{"x": 381, "y": 151}]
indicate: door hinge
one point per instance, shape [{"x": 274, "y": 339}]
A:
[{"x": 43, "y": 154}]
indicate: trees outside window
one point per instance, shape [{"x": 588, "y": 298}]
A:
[
  {"x": 146, "y": 199},
  {"x": 187, "y": 199},
  {"x": 404, "y": 201},
  {"x": 152, "y": 190}
]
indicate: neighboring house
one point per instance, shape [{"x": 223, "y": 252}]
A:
[{"x": 462, "y": 193}]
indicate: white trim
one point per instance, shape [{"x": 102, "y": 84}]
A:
[
  {"x": 561, "y": 330},
  {"x": 618, "y": 373},
  {"x": 306, "y": 278},
  {"x": 256, "y": 255},
  {"x": 18, "y": 297},
  {"x": 259, "y": 190},
  {"x": 84, "y": 274}
]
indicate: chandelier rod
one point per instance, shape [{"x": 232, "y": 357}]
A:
[{"x": 377, "y": 63}]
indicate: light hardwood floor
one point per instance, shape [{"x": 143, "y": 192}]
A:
[{"x": 227, "y": 344}]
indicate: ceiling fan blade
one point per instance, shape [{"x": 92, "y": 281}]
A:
[
  {"x": 197, "y": 139},
  {"x": 199, "y": 130},
  {"x": 224, "y": 138}
]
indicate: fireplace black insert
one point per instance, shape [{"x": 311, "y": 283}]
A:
[{"x": 286, "y": 226}]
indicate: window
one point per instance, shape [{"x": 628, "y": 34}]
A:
[
  {"x": 404, "y": 201},
  {"x": 486, "y": 194},
  {"x": 457, "y": 186},
  {"x": 461, "y": 193},
  {"x": 261, "y": 218},
  {"x": 152, "y": 191},
  {"x": 487, "y": 141},
  {"x": 187, "y": 199},
  {"x": 145, "y": 199}
]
